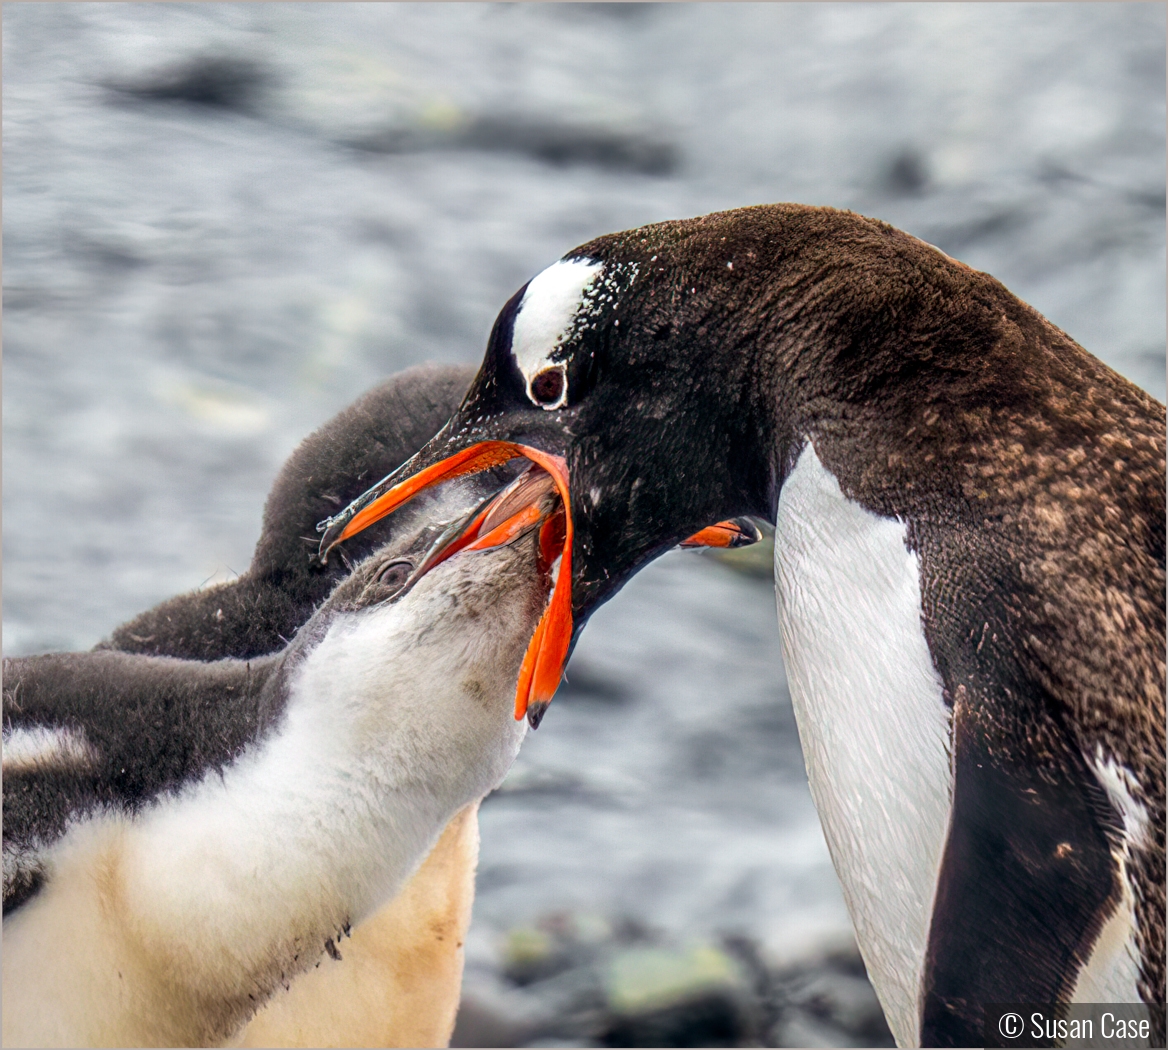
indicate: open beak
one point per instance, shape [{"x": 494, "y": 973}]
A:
[
  {"x": 505, "y": 517},
  {"x": 543, "y": 664}
]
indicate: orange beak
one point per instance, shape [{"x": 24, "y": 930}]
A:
[
  {"x": 737, "y": 532},
  {"x": 543, "y": 663}
]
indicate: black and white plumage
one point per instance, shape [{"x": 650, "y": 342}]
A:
[
  {"x": 970, "y": 570},
  {"x": 150, "y": 724},
  {"x": 183, "y": 837},
  {"x": 141, "y": 730}
]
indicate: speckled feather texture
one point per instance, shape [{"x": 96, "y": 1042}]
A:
[
  {"x": 1031, "y": 475},
  {"x": 1028, "y": 477}
]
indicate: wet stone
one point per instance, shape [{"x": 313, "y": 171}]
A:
[
  {"x": 662, "y": 996},
  {"x": 799, "y": 1028},
  {"x": 533, "y": 955},
  {"x": 835, "y": 995},
  {"x": 579, "y": 980},
  {"x": 228, "y": 82}
]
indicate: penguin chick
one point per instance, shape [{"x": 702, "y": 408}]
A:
[
  {"x": 176, "y": 895},
  {"x": 256, "y": 613}
]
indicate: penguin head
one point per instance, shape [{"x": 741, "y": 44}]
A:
[
  {"x": 411, "y": 663},
  {"x": 622, "y": 362}
]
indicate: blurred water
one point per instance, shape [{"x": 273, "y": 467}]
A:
[{"x": 224, "y": 222}]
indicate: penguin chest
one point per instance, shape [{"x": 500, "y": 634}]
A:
[{"x": 872, "y": 720}]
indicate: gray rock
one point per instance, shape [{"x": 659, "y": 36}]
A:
[
  {"x": 664, "y": 996},
  {"x": 836, "y": 992},
  {"x": 493, "y": 1013},
  {"x": 845, "y": 1000},
  {"x": 799, "y": 1028}
]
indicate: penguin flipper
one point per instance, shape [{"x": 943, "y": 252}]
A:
[{"x": 1027, "y": 878}]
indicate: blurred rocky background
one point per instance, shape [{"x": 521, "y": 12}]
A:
[{"x": 223, "y": 222}]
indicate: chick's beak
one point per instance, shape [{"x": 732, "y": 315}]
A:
[
  {"x": 518, "y": 509},
  {"x": 507, "y": 517}
]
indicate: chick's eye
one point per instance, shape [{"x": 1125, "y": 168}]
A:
[
  {"x": 395, "y": 575},
  {"x": 547, "y": 388}
]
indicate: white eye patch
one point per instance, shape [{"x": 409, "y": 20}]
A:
[{"x": 548, "y": 316}]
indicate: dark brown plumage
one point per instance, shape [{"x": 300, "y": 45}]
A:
[{"x": 1030, "y": 478}]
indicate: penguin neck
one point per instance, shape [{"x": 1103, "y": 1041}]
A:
[{"x": 325, "y": 819}]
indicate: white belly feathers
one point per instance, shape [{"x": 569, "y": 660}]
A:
[{"x": 872, "y": 719}]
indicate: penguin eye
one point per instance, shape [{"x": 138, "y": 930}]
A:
[
  {"x": 548, "y": 387},
  {"x": 395, "y": 575}
]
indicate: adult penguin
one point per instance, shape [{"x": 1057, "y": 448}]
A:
[
  {"x": 256, "y": 613},
  {"x": 969, "y": 515}
]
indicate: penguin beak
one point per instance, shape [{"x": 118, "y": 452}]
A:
[
  {"x": 543, "y": 664},
  {"x": 730, "y": 534},
  {"x": 502, "y": 519}
]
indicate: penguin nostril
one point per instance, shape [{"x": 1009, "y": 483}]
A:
[
  {"x": 395, "y": 575},
  {"x": 547, "y": 388}
]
